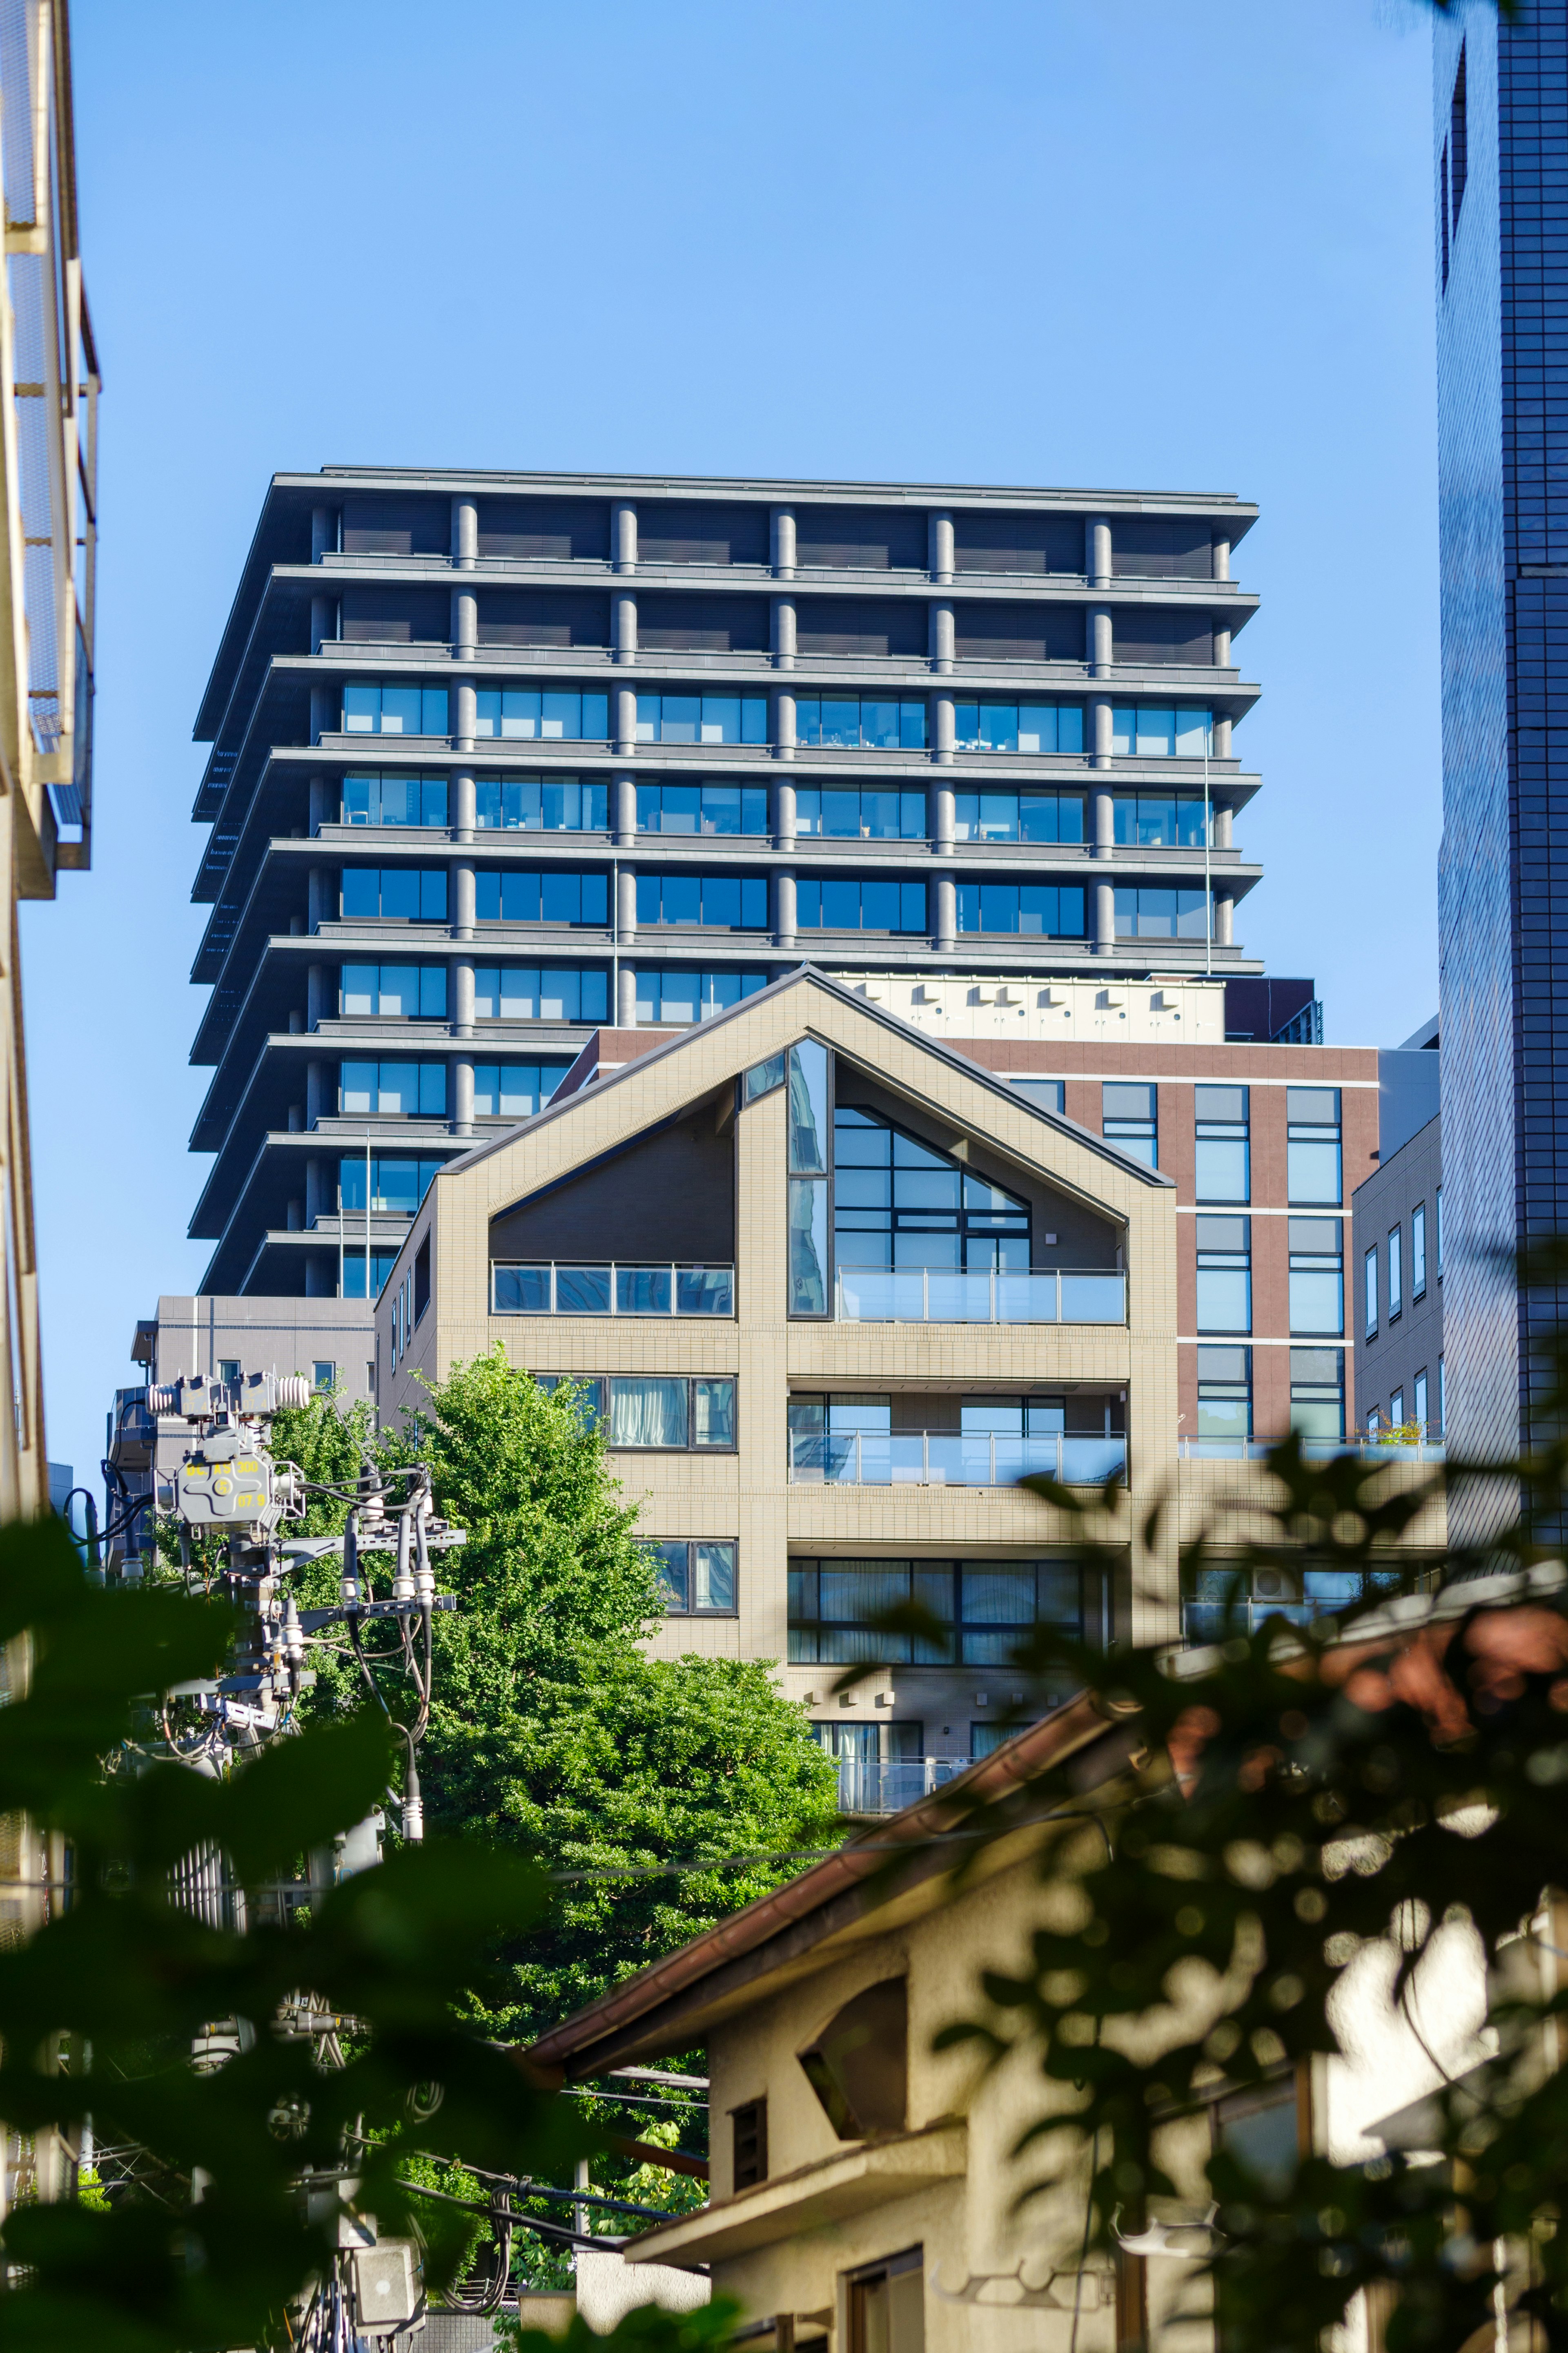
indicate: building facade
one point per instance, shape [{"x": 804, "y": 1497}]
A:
[
  {"x": 1397, "y": 1252},
  {"x": 49, "y": 460},
  {"x": 497, "y": 759},
  {"x": 1499, "y": 161},
  {"x": 835, "y": 1283}
]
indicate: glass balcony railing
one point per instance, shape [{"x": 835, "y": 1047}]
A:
[
  {"x": 887, "y": 1788},
  {"x": 1315, "y": 1449},
  {"x": 610, "y": 1287},
  {"x": 929, "y": 1295},
  {"x": 951, "y": 1458}
]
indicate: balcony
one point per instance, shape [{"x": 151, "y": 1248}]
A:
[
  {"x": 875, "y": 1787},
  {"x": 951, "y": 1458},
  {"x": 928, "y": 1295},
  {"x": 611, "y": 1287},
  {"x": 1313, "y": 1450}
]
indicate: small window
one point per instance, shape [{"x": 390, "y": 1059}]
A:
[
  {"x": 1128, "y": 1117},
  {"x": 763, "y": 1078},
  {"x": 323, "y": 1376},
  {"x": 1369, "y": 1293},
  {"x": 1047, "y": 1094},
  {"x": 1313, "y": 1170},
  {"x": 750, "y": 2143},
  {"x": 1317, "y": 1277},
  {"x": 422, "y": 1278},
  {"x": 1396, "y": 1409},
  {"x": 1318, "y": 1392},
  {"x": 1224, "y": 1275},
  {"x": 697, "y": 1577},
  {"x": 1418, "y": 1251},
  {"x": 1395, "y": 1272},
  {"x": 1437, "y": 1211},
  {"x": 1224, "y": 1394},
  {"x": 228, "y": 1368}
]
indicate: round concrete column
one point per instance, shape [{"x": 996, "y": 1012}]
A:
[
  {"x": 624, "y": 626},
  {"x": 624, "y": 535},
  {"x": 784, "y": 909},
  {"x": 320, "y": 906},
  {"x": 943, "y": 728},
  {"x": 1104, "y": 918},
  {"x": 940, "y": 636},
  {"x": 626, "y": 1007},
  {"x": 467, "y": 715},
  {"x": 1222, "y": 648},
  {"x": 781, "y": 530},
  {"x": 1102, "y": 813},
  {"x": 318, "y": 817},
  {"x": 465, "y": 531},
  {"x": 1101, "y": 730},
  {"x": 623, "y": 810},
  {"x": 463, "y": 901},
  {"x": 938, "y": 545},
  {"x": 1222, "y": 750},
  {"x": 784, "y": 814},
  {"x": 1100, "y": 652},
  {"x": 624, "y": 720},
  {"x": 465, "y": 805},
  {"x": 318, "y": 1086},
  {"x": 315, "y": 1191},
  {"x": 324, "y": 622},
  {"x": 325, "y": 711},
  {"x": 946, "y": 913},
  {"x": 626, "y": 906},
  {"x": 1223, "y": 919},
  {"x": 940, "y": 817},
  {"x": 463, "y": 997},
  {"x": 1097, "y": 551},
  {"x": 783, "y": 632},
  {"x": 318, "y": 1006},
  {"x": 784, "y": 723},
  {"x": 462, "y": 1121},
  {"x": 1221, "y": 548},
  {"x": 465, "y": 623},
  {"x": 1224, "y": 824},
  {"x": 324, "y": 532}
]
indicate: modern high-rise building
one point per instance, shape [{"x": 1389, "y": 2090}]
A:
[
  {"x": 1501, "y": 167},
  {"x": 498, "y": 759}
]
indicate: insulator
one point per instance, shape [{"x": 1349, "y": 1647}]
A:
[{"x": 293, "y": 1390}]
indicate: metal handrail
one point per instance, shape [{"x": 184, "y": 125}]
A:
[
  {"x": 953, "y": 1458},
  {"x": 616, "y": 1287},
  {"x": 933, "y": 1295},
  {"x": 1315, "y": 1449}
]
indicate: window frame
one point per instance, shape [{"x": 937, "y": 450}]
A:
[
  {"x": 691, "y": 1444},
  {"x": 692, "y": 1544},
  {"x": 1417, "y": 1252}
]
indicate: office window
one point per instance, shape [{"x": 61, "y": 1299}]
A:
[
  {"x": 1160, "y": 730},
  {"x": 988, "y": 1608},
  {"x": 749, "y": 2126},
  {"x": 1128, "y": 1116},
  {"x": 1017, "y": 817},
  {"x": 702, "y": 719},
  {"x": 1039, "y": 727},
  {"x": 1225, "y": 1274},
  {"x": 1395, "y": 1272},
  {"x": 1437, "y": 1211},
  {"x": 1318, "y": 1392},
  {"x": 1396, "y": 1409},
  {"x": 392, "y": 1090},
  {"x": 523, "y": 715},
  {"x": 323, "y": 1376},
  {"x": 861, "y": 723},
  {"x": 371, "y": 798},
  {"x": 516, "y": 992},
  {"x": 1370, "y": 1293},
  {"x": 1223, "y": 1168},
  {"x": 381, "y": 1265},
  {"x": 702, "y": 808},
  {"x": 850, "y": 815},
  {"x": 1420, "y": 1389},
  {"x": 897, "y": 1203},
  {"x": 515, "y": 1089},
  {"x": 411, "y": 992},
  {"x": 808, "y": 1135},
  {"x": 696, "y": 1578},
  {"x": 373, "y": 710},
  {"x": 549, "y": 895},
  {"x": 732, "y": 902},
  {"x": 1224, "y": 1393},
  {"x": 409, "y": 895},
  {"x": 1317, "y": 1276},
  {"x": 1050, "y": 1094},
  {"x": 1159, "y": 914},
  {"x": 396, "y": 1185},
  {"x": 847, "y": 904},
  {"x": 675, "y": 1000},
  {"x": 1418, "y": 1251},
  {"x": 1312, "y": 1146},
  {"x": 1043, "y": 910},
  {"x": 1159, "y": 820},
  {"x": 671, "y": 1411},
  {"x": 541, "y": 805}
]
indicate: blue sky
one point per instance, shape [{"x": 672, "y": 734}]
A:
[{"x": 1142, "y": 244}]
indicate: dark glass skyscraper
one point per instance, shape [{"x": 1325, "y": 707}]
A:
[{"x": 1500, "y": 165}]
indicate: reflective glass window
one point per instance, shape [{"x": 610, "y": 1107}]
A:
[
  {"x": 1031, "y": 727},
  {"x": 369, "y": 797},
  {"x": 698, "y": 808},
  {"x": 506, "y": 992},
  {"x": 1160, "y": 914},
  {"x": 371, "y": 709},
  {"x": 1224, "y": 1275},
  {"x": 1042, "y": 910},
  {"x": 514, "y": 1089},
  {"x": 526, "y": 714},
  {"x": 724, "y": 902},
  {"x": 701, "y": 719},
  {"x": 846, "y": 814},
  {"x": 1017, "y": 817},
  {"x": 670, "y": 1000},
  {"x": 399, "y": 1089},
  {"x": 1159, "y": 730},
  {"x": 857, "y": 723},
  {"x": 547, "y": 895},
  {"x": 846, "y": 904},
  {"x": 541, "y": 805}
]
